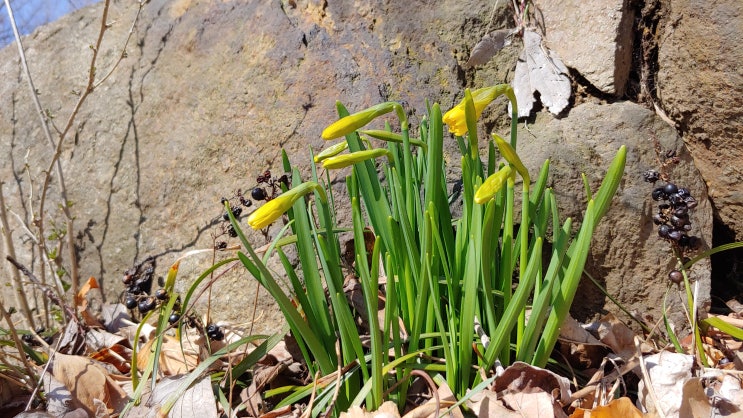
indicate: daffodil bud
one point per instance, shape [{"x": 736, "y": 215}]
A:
[
  {"x": 455, "y": 117},
  {"x": 510, "y": 155},
  {"x": 274, "y": 208},
  {"x": 346, "y": 160},
  {"x": 331, "y": 151},
  {"x": 492, "y": 185},
  {"x": 350, "y": 123}
]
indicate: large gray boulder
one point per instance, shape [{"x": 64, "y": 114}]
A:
[{"x": 211, "y": 91}]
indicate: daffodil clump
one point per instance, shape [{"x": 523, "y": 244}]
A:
[{"x": 436, "y": 285}]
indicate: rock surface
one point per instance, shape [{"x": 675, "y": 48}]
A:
[
  {"x": 700, "y": 86},
  {"x": 211, "y": 91},
  {"x": 593, "y": 37},
  {"x": 627, "y": 257}
]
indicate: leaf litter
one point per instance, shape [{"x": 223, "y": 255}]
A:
[{"x": 94, "y": 377}]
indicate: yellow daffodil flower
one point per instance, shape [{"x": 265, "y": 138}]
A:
[
  {"x": 510, "y": 155},
  {"x": 350, "y": 123},
  {"x": 274, "y": 208},
  {"x": 346, "y": 160},
  {"x": 492, "y": 185},
  {"x": 455, "y": 117}
]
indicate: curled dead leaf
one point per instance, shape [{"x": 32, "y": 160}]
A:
[{"x": 88, "y": 382}]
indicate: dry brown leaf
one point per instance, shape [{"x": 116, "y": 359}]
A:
[
  {"x": 618, "y": 408},
  {"x": 386, "y": 410},
  {"x": 694, "y": 403},
  {"x": 73, "y": 339},
  {"x": 667, "y": 373},
  {"x": 88, "y": 382},
  {"x": 196, "y": 402},
  {"x": 59, "y": 400},
  {"x": 485, "y": 404},
  {"x": 115, "y": 316},
  {"x": 97, "y": 339},
  {"x": 523, "y": 390},
  {"x": 535, "y": 404},
  {"x": 174, "y": 358},
  {"x": 522, "y": 377},
  {"x": 284, "y": 411},
  {"x": 731, "y": 390},
  {"x": 117, "y": 355},
  {"x": 428, "y": 410},
  {"x": 619, "y": 337},
  {"x": 89, "y": 302},
  {"x": 579, "y": 346}
]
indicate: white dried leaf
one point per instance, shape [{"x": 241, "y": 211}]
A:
[
  {"x": 489, "y": 45},
  {"x": 539, "y": 69}
]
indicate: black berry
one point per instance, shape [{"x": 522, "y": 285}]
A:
[
  {"x": 161, "y": 294},
  {"x": 214, "y": 332},
  {"x": 258, "y": 193},
  {"x": 147, "y": 304},
  {"x": 676, "y": 276},
  {"x": 670, "y": 188},
  {"x": 663, "y": 231},
  {"x": 675, "y": 234},
  {"x": 130, "y": 303},
  {"x": 659, "y": 194}
]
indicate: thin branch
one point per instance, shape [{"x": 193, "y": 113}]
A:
[
  {"x": 55, "y": 163},
  {"x": 69, "y": 313},
  {"x": 44, "y": 125},
  {"x": 17, "y": 285}
]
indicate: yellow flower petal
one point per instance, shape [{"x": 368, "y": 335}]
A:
[
  {"x": 492, "y": 185},
  {"x": 482, "y": 97},
  {"x": 274, "y": 208}
]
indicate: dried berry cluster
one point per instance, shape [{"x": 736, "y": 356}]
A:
[
  {"x": 267, "y": 187},
  {"x": 672, "y": 217},
  {"x": 138, "y": 281}
]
